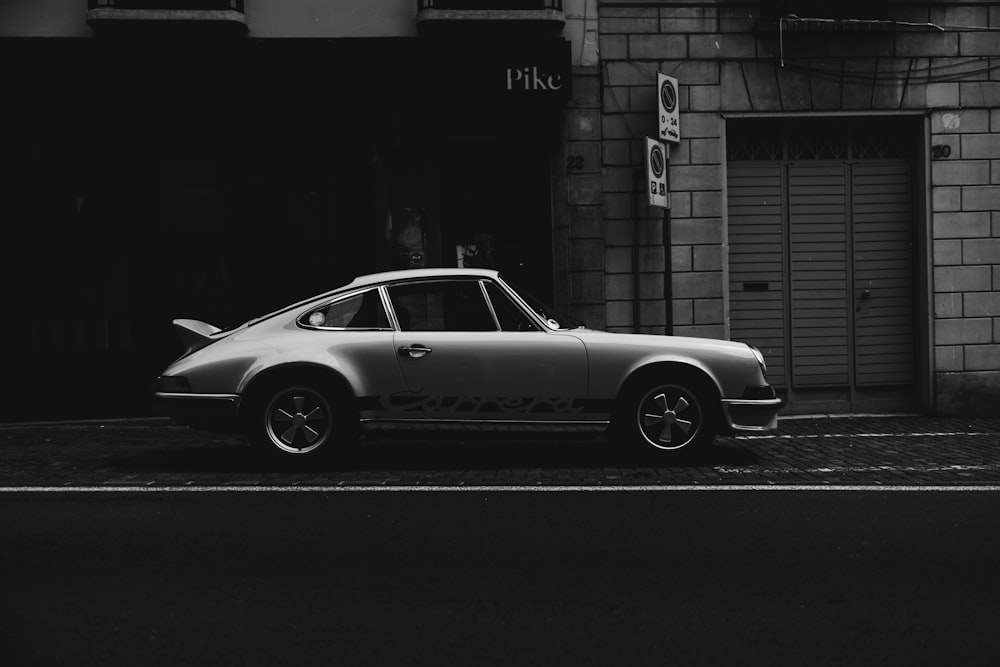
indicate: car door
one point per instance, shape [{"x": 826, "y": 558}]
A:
[{"x": 459, "y": 363}]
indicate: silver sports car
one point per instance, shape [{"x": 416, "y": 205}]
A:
[{"x": 455, "y": 349}]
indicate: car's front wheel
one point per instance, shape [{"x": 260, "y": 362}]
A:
[
  {"x": 300, "y": 420},
  {"x": 668, "y": 418}
]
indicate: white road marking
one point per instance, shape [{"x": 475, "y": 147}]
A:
[
  {"x": 807, "y": 436},
  {"x": 647, "y": 488},
  {"x": 823, "y": 470}
]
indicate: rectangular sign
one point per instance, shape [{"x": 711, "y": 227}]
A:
[
  {"x": 666, "y": 95},
  {"x": 657, "y": 156}
]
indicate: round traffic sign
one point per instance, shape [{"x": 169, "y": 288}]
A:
[
  {"x": 656, "y": 161},
  {"x": 668, "y": 96}
]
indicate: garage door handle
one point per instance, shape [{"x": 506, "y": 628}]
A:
[{"x": 414, "y": 351}]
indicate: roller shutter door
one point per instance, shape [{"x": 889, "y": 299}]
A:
[
  {"x": 757, "y": 262},
  {"x": 883, "y": 275},
  {"x": 821, "y": 270},
  {"x": 820, "y": 324}
]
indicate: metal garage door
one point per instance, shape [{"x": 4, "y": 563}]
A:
[{"x": 821, "y": 278}]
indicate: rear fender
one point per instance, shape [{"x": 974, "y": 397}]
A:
[{"x": 297, "y": 372}]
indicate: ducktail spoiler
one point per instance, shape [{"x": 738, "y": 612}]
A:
[{"x": 194, "y": 334}]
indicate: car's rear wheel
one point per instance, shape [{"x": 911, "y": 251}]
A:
[
  {"x": 669, "y": 418},
  {"x": 296, "y": 420}
]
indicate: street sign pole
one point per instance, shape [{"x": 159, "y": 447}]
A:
[
  {"x": 668, "y": 108},
  {"x": 657, "y": 185},
  {"x": 668, "y": 274}
]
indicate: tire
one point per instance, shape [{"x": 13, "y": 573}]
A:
[
  {"x": 301, "y": 420},
  {"x": 668, "y": 419}
]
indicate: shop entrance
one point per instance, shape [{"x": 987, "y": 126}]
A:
[
  {"x": 496, "y": 209},
  {"x": 822, "y": 267},
  {"x": 458, "y": 197}
]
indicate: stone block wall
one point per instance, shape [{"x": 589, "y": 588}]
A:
[
  {"x": 635, "y": 43},
  {"x": 965, "y": 182},
  {"x": 578, "y": 238},
  {"x": 938, "y": 59}
]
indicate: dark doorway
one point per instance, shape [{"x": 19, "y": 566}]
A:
[{"x": 496, "y": 208}]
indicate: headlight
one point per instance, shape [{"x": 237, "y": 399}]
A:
[
  {"x": 171, "y": 384},
  {"x": 759, "y": 357}
]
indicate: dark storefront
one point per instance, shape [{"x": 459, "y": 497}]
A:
[{"x": 150, "y": 180}]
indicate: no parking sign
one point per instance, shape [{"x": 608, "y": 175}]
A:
[
  {"x": 657, "y": 155},
  {"x": 670, "y": 123}
]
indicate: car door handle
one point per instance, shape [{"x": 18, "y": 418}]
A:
[{"x": 414, "y": 351}]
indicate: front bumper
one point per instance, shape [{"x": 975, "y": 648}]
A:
[
  {"x": 212, "y": 412},
  {"x": 750, "y": 415}
]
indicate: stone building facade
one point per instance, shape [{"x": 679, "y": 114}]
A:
[{"x": 835, "y": 192}]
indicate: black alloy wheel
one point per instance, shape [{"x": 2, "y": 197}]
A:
[
  {"x": 298, "y": 420},
  {"x": 670, "y": 418}
]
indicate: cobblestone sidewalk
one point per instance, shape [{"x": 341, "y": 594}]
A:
[{"x": 812, "y": 451}]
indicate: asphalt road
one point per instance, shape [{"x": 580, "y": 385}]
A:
[
  {"x": 832, "y": 542},
  {"x": 500, "y": 578}
]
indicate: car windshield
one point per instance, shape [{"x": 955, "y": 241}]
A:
[{"x": 553, "y": 318}]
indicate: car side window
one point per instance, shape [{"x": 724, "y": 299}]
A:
[
  {"x": 510, "y": 316},
  {"x": 360, "y": 311},
  {"x": 444, "y": 305}
]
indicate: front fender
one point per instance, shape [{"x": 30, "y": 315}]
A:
[{"x": 614, "y": 358}]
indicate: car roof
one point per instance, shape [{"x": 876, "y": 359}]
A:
[
  {"x": 416, "y": 274},
  {"x": 372, "y": 279}
]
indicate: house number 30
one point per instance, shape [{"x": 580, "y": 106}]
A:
[{"x": 940, "y": 151}]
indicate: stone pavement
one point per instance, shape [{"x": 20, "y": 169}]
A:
[{"x": 857, "y": 450}]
